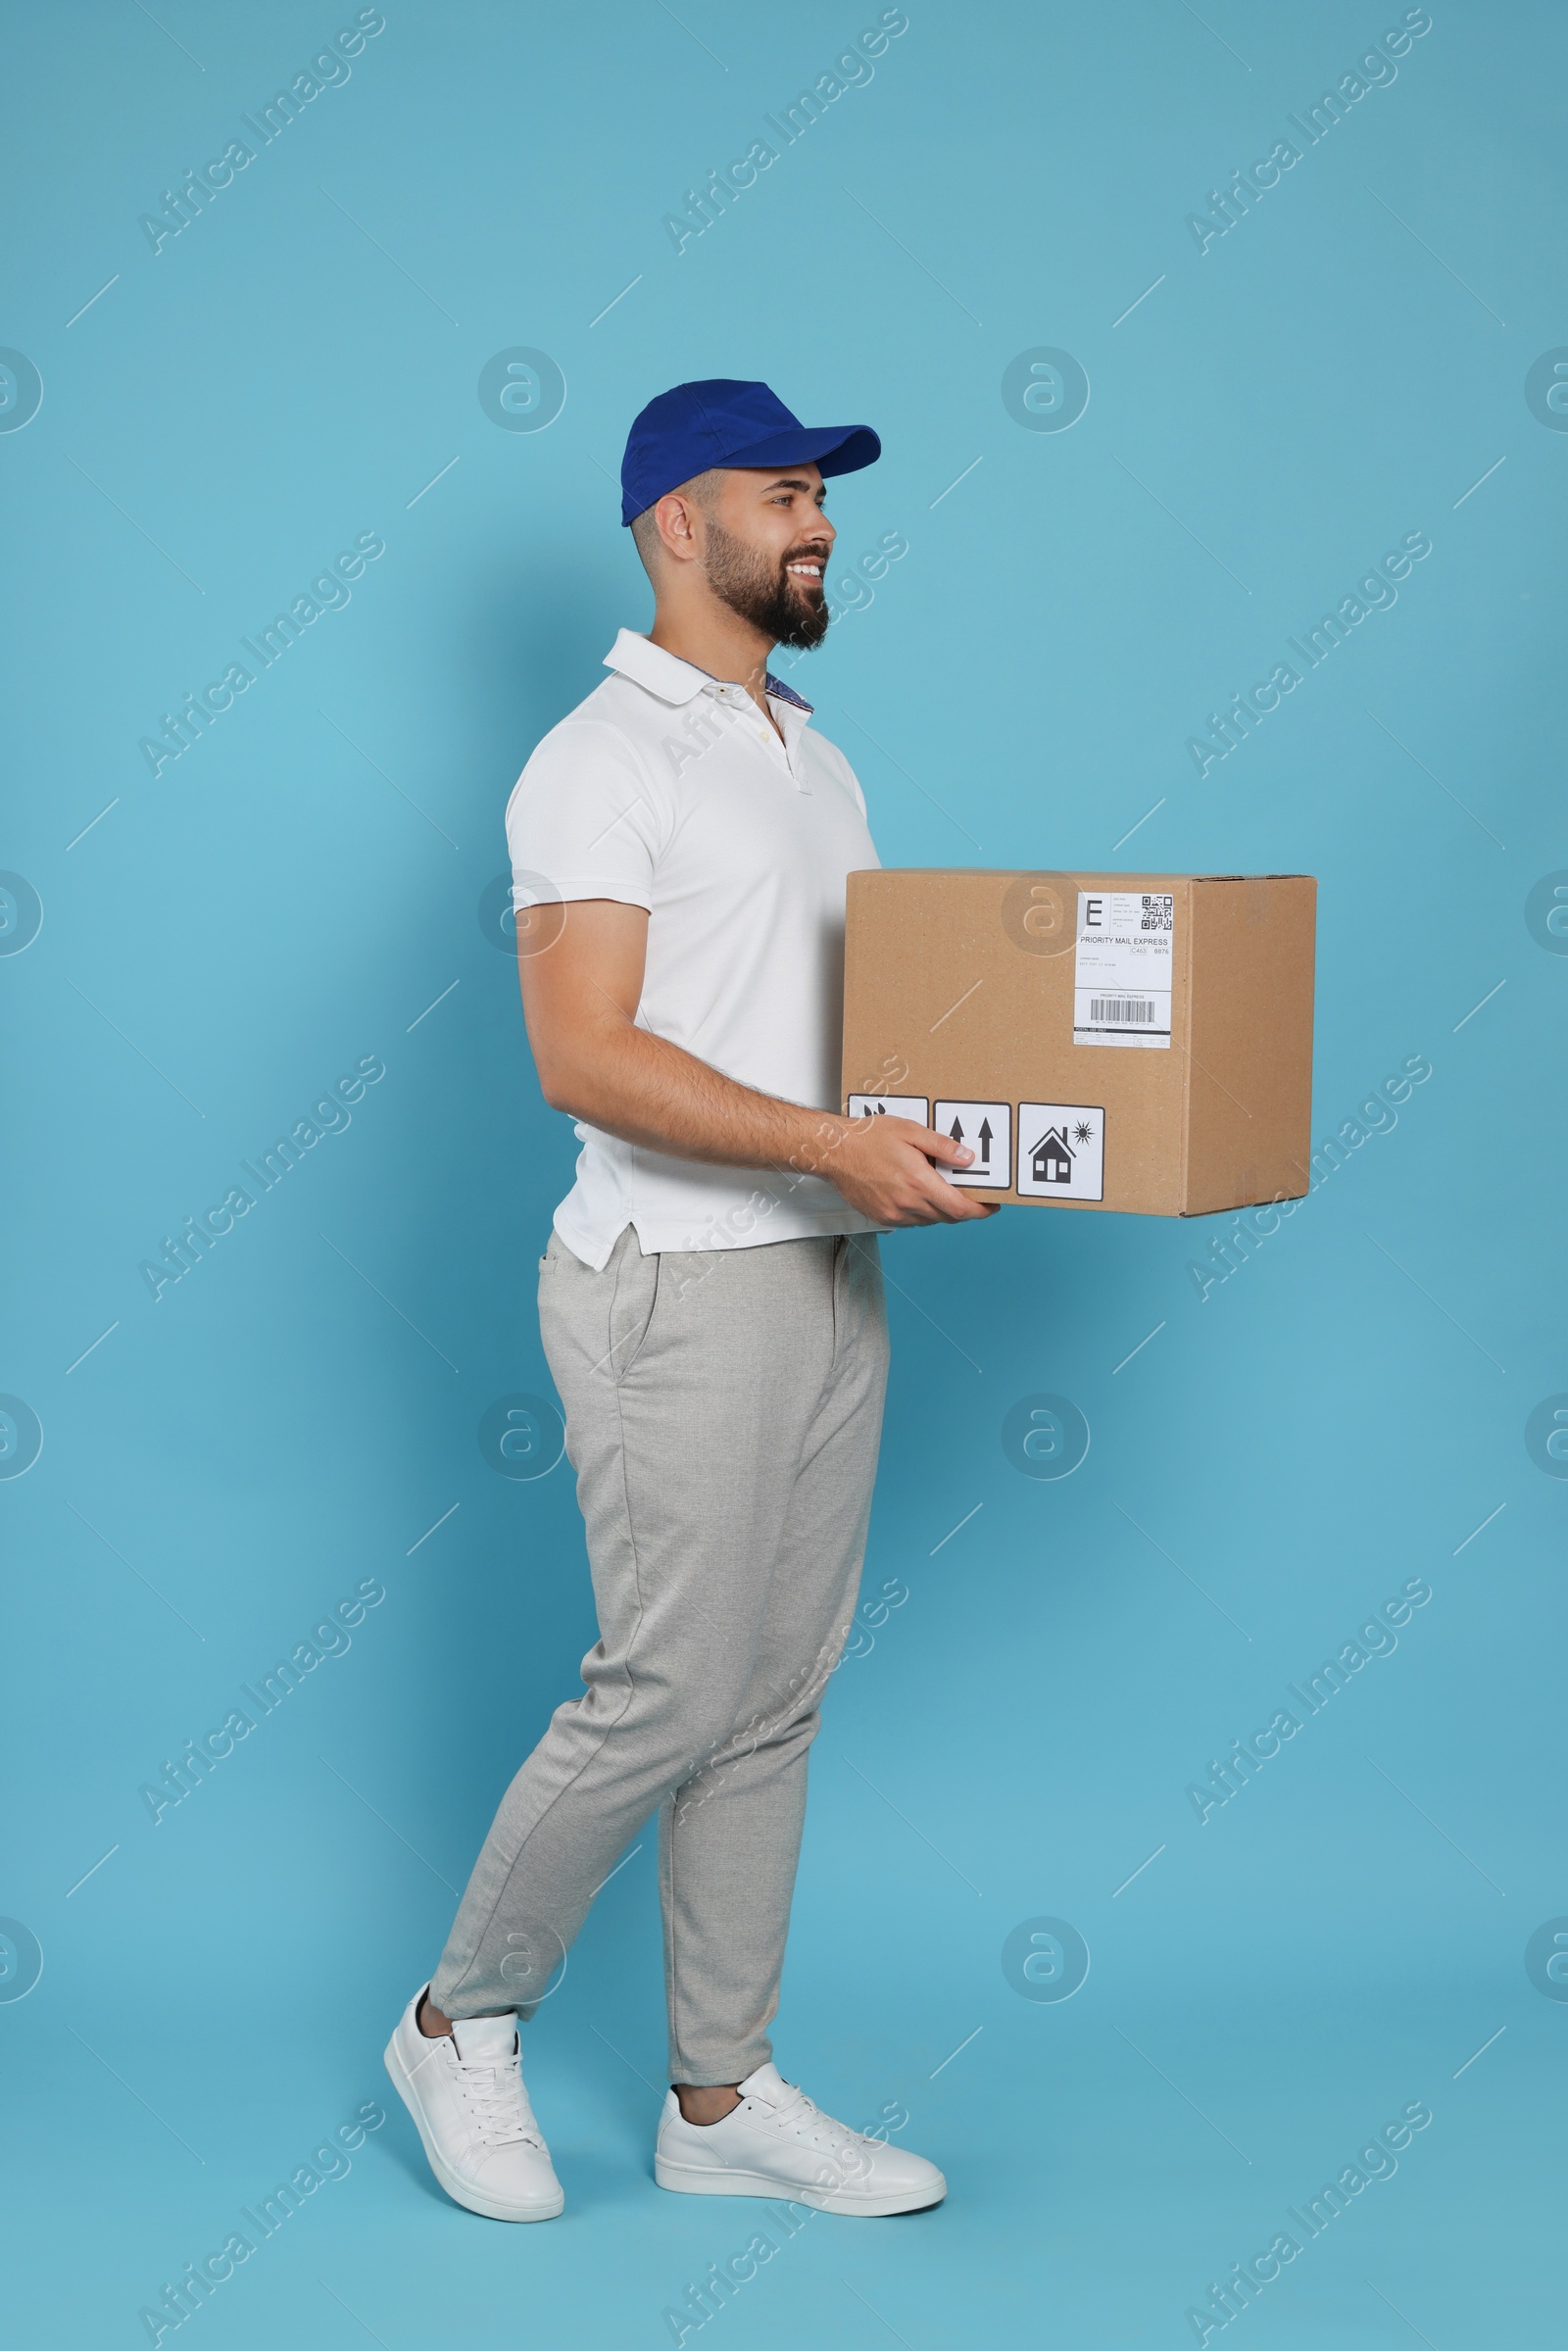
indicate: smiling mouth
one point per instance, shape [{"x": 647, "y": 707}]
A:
[{"x": 807, "y": 566}]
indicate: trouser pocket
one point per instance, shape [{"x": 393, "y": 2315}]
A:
[{"x": 633, "y": 1307}]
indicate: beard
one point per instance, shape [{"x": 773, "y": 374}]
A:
[{"x": 790, "y": 611}]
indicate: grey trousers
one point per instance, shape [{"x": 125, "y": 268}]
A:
[{"x": 723, "y": 1411}]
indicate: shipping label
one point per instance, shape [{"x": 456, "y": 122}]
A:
[{"x": 1122, "y": 968}]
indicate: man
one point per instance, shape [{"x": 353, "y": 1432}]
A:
[{"x": 710, "y": 1305}]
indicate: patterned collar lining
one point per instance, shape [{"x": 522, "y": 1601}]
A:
[{"x": 770, "y": 685}]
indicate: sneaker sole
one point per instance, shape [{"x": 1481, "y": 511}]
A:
[
  {"x": 688, "y": 2180},
  {"x": 472, "y": 2198}
]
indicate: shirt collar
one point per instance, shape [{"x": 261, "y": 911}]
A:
[
  {"x": 673, "y": 680},
  {"x": 783, "y": 693},
  {"x": 648, "y": 664}
]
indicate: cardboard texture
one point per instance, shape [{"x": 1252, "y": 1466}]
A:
[{"x": 1138, "y": 1041}]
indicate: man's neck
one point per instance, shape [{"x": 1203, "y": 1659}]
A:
[{"x": 721, "y": 642}]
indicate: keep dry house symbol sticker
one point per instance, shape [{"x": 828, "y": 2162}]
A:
[{"x": 1062, "y": 1150}]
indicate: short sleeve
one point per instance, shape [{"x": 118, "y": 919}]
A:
[{"x": 582, "y": 821}]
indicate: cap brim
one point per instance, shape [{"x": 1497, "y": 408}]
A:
[{"x": 832, "y": 449}]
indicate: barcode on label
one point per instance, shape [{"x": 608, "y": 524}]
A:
[{"x": 1120, "y": 1007}]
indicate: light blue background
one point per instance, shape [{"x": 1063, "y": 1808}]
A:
[{"x": 296, "y": 891}]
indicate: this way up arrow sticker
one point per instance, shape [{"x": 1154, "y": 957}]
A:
[{"x": 991, "y": 1125}]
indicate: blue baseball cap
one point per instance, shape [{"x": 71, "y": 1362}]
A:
[{"x": 721, "y": 422}]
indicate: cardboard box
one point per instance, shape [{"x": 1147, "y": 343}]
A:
[{"x": 1131, "y": 1041}]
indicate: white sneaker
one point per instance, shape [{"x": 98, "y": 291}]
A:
[
  {"x": 465, "y": 2091},
  {"x": 776, "y": 2143}
]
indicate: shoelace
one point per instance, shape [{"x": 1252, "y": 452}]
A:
[
  {"x": 495, "y": 2096},
  {"x": 799, "y": 2115}
]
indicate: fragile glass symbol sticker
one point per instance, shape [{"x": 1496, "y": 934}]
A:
[
  {"x": 890, "y": 1106},
  {"x": 1062, "y": 1150},
  {"x": 987, "y": 1130}
]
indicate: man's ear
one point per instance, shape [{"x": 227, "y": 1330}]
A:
[{"x": 675, "y": 516}]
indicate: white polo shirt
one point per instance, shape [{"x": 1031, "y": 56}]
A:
[{"x": 667, "y": 789}]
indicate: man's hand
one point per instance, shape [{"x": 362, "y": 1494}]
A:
[
  {"x": 582, "y": 965},
  {"x": 882, "y": 1167}
]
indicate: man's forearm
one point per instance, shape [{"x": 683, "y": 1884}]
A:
[{"x": 663, "y": 1099}]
